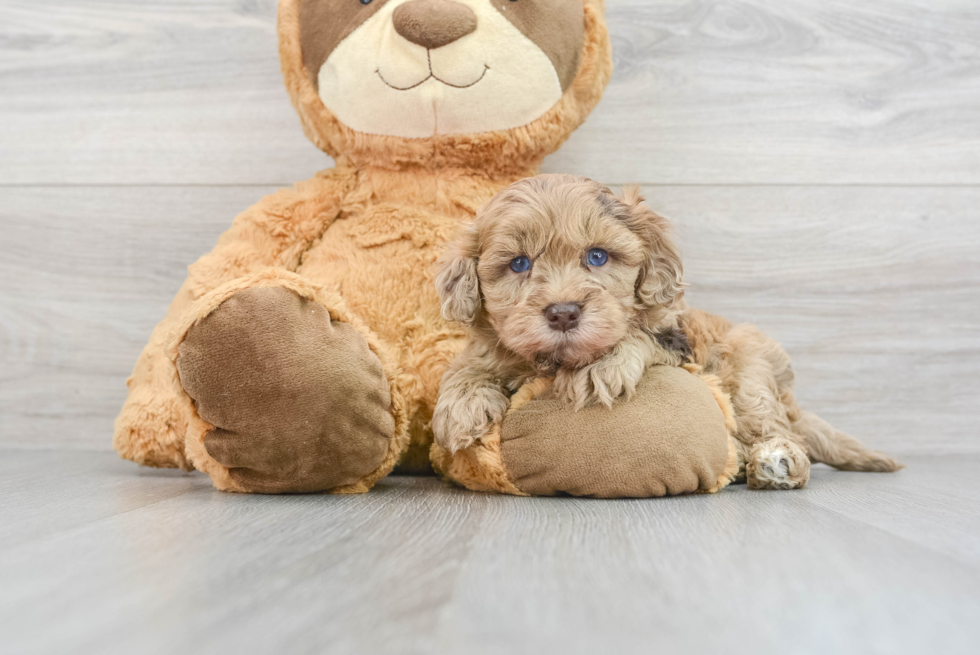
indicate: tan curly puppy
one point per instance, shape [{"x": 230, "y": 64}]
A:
[{"x": 558, "y": 277}]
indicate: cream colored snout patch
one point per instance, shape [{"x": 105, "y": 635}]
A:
[{"x": 494, "y": 78}]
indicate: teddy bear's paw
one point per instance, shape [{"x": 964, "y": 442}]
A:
[
  {"x": 299, "y": 402},
  {"x": 777, "y": 463}
]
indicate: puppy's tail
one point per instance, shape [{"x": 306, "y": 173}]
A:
[{"x": 830, "y": 446}]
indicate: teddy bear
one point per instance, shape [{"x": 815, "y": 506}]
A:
[{"x": 304, "y": 353}]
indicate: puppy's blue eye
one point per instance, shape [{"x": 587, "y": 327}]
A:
[
  {"x": 365, "y": 2},
  {"x": 520, "y": 264},
  {"x": 597, "y": 257}
]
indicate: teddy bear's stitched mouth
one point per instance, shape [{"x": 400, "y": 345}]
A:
[{"x": 432, "y": 76}]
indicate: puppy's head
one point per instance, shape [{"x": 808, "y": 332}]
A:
[{"x": 560, "y": 269}]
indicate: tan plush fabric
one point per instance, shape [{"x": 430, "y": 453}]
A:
[
  {"x": 361, "y": 240},
  {"x": 670, "y": 438},
  {"x": 554, "y": 26},
  {"x": 323, "y": 24},
  {"x": 306, "y": 394}
]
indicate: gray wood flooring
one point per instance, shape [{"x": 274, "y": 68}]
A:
[{"x": 96, "y": 557}]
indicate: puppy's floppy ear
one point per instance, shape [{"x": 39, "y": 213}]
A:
[
  {"x": 457, "y": 281},
  {"x": 661, "y": 279}
]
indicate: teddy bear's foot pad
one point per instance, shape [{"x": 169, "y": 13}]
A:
[
  {"x": 299, "y": 402},
  {"x": 669, "y": 438}
]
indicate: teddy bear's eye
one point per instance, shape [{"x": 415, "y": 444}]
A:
[
  {"x": 367, "y": 2},
  {"x": 520, "y": 264},
  {"x": 597, "y": 257}
]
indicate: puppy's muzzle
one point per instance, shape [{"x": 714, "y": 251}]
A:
[{"x": 563, "y": 316}]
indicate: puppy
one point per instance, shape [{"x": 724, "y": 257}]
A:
[{"x": 558, "y": 277}]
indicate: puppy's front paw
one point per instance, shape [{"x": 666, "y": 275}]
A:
[
  {"x": 603, "y": 381},
  {"x": 458, "y": 425},
  {"x": 611, "y": 379}
]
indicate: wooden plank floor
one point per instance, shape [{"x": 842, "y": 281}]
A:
[{"x": 97, "y": 557}]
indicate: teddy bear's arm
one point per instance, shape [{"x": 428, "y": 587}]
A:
[{"x": 273, "y": 233}]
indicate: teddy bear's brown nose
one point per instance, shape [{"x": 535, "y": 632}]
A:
[{"x": 434, "y": 23}]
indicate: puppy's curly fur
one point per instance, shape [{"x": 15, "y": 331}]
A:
[{"x": 622, "y": 316}]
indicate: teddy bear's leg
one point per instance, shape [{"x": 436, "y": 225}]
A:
[
  {"x": 150, "y": 428},
  {"x": 290, "y": 393}
]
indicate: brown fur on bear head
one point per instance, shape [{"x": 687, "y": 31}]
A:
[{"x": 489, "y": 84}]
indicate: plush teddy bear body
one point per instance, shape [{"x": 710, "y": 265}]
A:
[{"x": 304, "y": 353}]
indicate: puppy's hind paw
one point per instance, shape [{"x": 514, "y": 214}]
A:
[{"x": 777, "y": 464}]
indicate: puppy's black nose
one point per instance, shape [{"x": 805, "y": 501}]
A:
[{"x": 563, "y": 316}]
